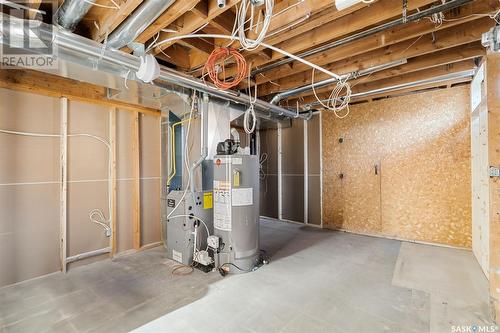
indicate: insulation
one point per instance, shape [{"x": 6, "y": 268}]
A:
[{"x": 420, "y": 145}]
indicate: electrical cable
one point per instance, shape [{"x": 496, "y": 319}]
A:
[
  {"x": 95, "y": 215},
  {"x": 252, "y": 44},
  {"x": 273, "y": 48},
  {"x": 250, "y": 112},
  {"x": 216, "y": 64},
  {"x": 235, "y": 266},
  {"x": 335, "y": 96},
  {"x": 102, "y": 6}
]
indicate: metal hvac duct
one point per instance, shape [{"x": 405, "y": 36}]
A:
[
  {"x": 365, "y": 33},
  {"x": 95, "y": 56},
  {"x": 285, "y": 94},
  {"x": 443, "y": 78},
  {"x": 136, "y": 23},
  {"x": 72, "y": 12}
]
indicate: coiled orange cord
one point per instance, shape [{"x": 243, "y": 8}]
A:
[{"x": 218, "y": 57}]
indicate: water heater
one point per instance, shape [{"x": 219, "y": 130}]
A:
[{"x": 236, "y": 212}]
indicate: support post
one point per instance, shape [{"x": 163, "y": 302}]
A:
[
  {"x": 493, "y": 100},
  {"x": 63, "y": 193},
  {"x": 306, "y": 174},
  {"x": 280, "y": 175},
  {"x": 112, "y": 142},
  {"x": 136, "y": 186},
  {"x": 320, "y": 115}
]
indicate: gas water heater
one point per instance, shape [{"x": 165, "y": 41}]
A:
[{"x": 235, "y": 211}]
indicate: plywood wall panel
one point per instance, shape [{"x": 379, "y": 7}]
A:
[
  {"x": 314, "y": 200},
  {"x": 124, "y": 240},
  {"x": 29, "y": 231},
  {"x": 293, "y": 198},
  {"x": 269, "y": 196},
  {"x": 29, "y": 189},
  {"x": 150, "y": 211},
  {"x": 421, "y": 146},
  {"x": 150, "y": 149},
  {"x": 28, "y": 113},
  {"x": 293, "y": 148},
  {"x": 123, "y": 145},
  {"x": 83, "y": 235}
]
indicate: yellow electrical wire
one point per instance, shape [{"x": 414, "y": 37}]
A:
[{"x": 172, "y": 148}]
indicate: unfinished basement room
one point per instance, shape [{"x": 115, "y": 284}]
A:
[{"x": 250, "y": 166}]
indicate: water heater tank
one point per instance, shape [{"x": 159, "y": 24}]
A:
[{"x": 236, "y": 212}]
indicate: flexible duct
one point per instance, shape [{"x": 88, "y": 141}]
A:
[
  {"x": 136, "y": 23},
  {"x": 72, "y": 12}
]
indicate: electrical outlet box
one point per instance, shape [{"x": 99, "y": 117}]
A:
[
  {"x": 213, "y": 242},
  {"x": 494, "y": 171},
  {"x": 203, "y": 258}
]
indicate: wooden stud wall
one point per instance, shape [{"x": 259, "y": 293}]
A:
[{"x": 406, "y": 168}]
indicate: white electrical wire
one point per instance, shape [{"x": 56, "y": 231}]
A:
[
  {"x": 274, "y": 48},
  {"x": 335, "y": 97},
  {"x": 102, "y": 6},
  {"x": 249, "y": 44},
  {"x": 250, "y": 112},
  {"x": 95, "y": 215}
]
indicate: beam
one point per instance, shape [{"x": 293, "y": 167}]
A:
[
  {"x": 136, "y": 183},
  {"x": 392, "y": 81},
  {"x": 176, "y": 10},
  {"x": 416, "y": 89},
  {"x": 63, "y": 188},
  {"x": 112, "y": 143},
  {"x": 415, "y": 66},
  {"x": 55, "y": 86},
  {"x": 439, "y": 58},
  {"x": 345, "y": 25},
  {"x": 425, "y": 44},
  {"x": 109, "y": 19},
  {"x": 189, "y": 23},
  {"x": 492, "y": 79},
  {"x": 382, "y": 39}
]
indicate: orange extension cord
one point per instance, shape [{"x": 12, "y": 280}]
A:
[{"x": 218, "y": 57}]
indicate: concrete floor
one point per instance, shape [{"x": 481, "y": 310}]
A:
[{"x": 317, "y": 281}]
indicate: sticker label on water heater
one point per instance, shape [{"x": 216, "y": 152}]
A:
[
  {"x": 242, "y": 196},
  {"x": 222, "y": 205}
]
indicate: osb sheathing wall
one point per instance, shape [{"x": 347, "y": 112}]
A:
[
  {"x": 29, "y": 183},
  {"x": 400, "y": 167}
]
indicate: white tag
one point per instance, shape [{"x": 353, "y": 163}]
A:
[
  {"x": 177, "y": 256},
  {"x": 242, "y": 196}
]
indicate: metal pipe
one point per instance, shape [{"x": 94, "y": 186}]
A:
[
  {"x": 351, "y": 38},
  {"x": 72, "y": 12},
  {"x": 72, "y": 46},
  {"x": 136, "y": 23},
  {"x": 203, "y": 139},
  {"x": 453, "y": 76},
  {"x": 285, "y": 94}
]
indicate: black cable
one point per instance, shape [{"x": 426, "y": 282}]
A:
[{"x": 231, "y": 264}]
